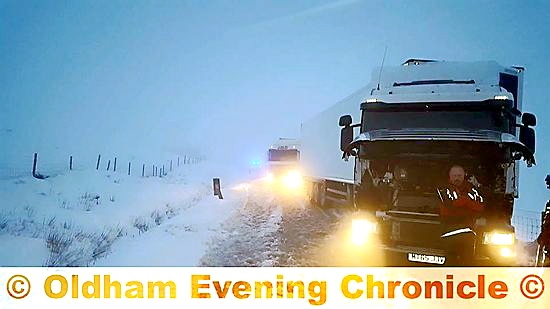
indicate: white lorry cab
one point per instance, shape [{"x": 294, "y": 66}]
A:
[{"x": 398, "y": 140}]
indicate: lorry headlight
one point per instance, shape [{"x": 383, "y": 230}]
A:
[
  {"x": 361, "y": 229},
  {"x": 506, "y": 252},
  {"x": 269, "y": 178},
  {"x": 292, "y": 180},
  {"x": 498, "y": 238}
]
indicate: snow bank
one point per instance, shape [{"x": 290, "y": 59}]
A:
[
  {"x": 181, "y": 241},
  {"x": 81, "y": 217}
]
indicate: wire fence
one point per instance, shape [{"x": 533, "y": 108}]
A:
[
  {"x": 44, "y": 166},
  {"x": 527, "y": 225}
]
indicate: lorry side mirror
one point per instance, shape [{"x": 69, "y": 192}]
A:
[
  {"x": 346, "y": 137},
  {"x": 345, "y": 121},
  {"x": 529, "y": 119},
  {"x": 527, "y": 137}
]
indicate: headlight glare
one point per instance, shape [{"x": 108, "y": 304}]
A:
[
  {"x": 499, "y": 238},
  {"x": 361, "y": 229},
  {"x": 292, "y": 180}
]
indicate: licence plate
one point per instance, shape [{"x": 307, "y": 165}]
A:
[{"x": 426, "y": 258}]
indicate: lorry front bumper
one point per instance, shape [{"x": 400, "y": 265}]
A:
[{"x": 429, "y": 257}]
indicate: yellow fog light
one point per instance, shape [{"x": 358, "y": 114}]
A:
[
  {"x": 361, "y": 229},
  {"x": 506, "y": 252},
  {"x": 269, "y": 178},
  {"x": 498, "y": 238},
  {"x": 292, "y": 180}
]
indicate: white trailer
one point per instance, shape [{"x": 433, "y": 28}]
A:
[{"x": 327, "y": 176}]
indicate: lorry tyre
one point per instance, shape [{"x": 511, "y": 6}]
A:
[
  {"x": 321, "y": 195},
  {"x": 317, "y": 196},
  {"x": 312, "y": 194}
]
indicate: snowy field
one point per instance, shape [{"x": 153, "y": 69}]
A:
[{"x": 85, "y": 218}]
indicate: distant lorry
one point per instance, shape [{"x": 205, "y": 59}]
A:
[
  {"x": 414, "y": 122},
  {"x": 283, "y": 159}
]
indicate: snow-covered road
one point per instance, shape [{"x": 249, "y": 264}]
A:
[{"x": 272, "y": 229}]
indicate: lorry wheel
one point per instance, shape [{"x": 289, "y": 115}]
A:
[
  {"x": 315, "y": 194},
  {"x": 312, "y": 194},
  {"x": 321, "y": 195},
  {"x": 318, "y": 197}
]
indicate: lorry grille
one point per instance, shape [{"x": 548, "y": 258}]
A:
[
  {"x": 431, "y": 134},
  {"x": 413, "y": 230}
]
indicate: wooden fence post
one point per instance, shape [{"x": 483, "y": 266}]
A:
[
  {"x": 114, "y": 166},
  {"x": 98, "y": 160},
  {"x": 143, "y": 171},
  {"x": 71, "y": 163},
  {"x": 108, "y": 164},
  {"x": 34, "y": 164},
  {"x": 217, "y": 187},
  {"x": 129, "y": 166}
]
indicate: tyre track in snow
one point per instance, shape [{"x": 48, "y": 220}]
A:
[
  {"x": 305, "y": 233},
  {"x": 274, "y": 230},
  {"x": 250, "y": 237}
]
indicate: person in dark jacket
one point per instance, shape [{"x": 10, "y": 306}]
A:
[
  {"x": 465, "y": 200},
  {"x": 462, "y": 205}
]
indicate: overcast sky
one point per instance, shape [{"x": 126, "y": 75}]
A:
[{"x": 220, "y": 76}]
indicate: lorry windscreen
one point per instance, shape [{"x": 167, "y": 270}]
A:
[
  {"x": 283, "y": 155},
  {"x": 436, "y": 116}
]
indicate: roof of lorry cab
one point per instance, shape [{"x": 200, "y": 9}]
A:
[{"x": 430, "y": 81}]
